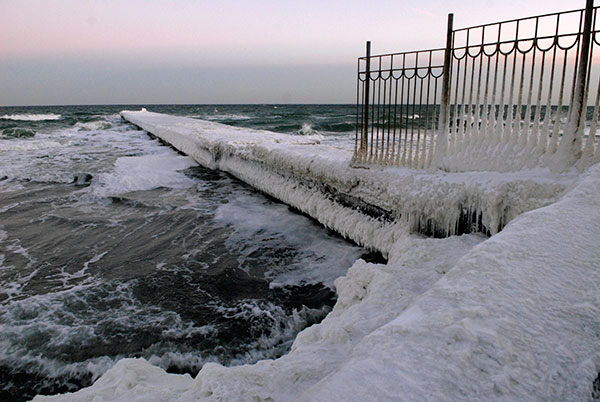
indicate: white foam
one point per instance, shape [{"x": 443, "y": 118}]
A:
[
  {"x": 31, "y": 144},
  {"x": 80, "y": 316},
  {"x": 20, "y": 276},
  {"x": 68, "y": 320},
  {"x": 146, "y": 172},
  {"x": 93, "y": 125},
  {"x": 81, "y": 277},
  {"x": 31, "y": 117},
  {"x": 225, "y": 116},
  {"x": 59, "y": 155}
]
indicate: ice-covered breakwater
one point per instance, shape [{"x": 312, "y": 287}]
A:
[{"x": 370, "y": 206}]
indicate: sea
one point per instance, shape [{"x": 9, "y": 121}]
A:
[{"x": 114, "y": 245}]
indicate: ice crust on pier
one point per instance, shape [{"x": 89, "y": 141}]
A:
[
  {"x": 510, "y": 317},
  {"x": 307, "y": 175}
]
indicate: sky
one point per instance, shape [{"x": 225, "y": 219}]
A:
[{"x": 66, "y": 52}]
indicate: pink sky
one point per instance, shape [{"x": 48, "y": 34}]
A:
[{"x": 208, "y": 33}]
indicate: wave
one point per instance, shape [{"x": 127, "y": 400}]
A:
[
  {"x": 97, "y": 323},
  {"x": 32, "y": 144},
  {"x": 18, "y": 133},
  {"x": 338, "y": 127},
  {"x": 260, "y": 229},
  {"x": 226, "y": 116},
  {"x": 31, "y": 117},
  {"x": 95, "y": 125}
]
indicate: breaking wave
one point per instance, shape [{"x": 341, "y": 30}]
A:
[{"x": 31, "y": 117}]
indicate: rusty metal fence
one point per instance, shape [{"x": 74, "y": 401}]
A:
[
  {"x": 501, "y": 96},
  {"x": 397, "y": 108}
]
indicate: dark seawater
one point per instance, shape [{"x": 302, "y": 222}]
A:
[{"x": 113, "y": 245}]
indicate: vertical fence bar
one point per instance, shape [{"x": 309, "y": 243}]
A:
[
  {"x": 570, "y": 146},
  {"x": 441, "y": 143},
  {"x": 545, "y": 136},
  {"x": 376, "y": 118},
  {"x": 428, "y": 103},
  {"x": 588, "y": 147},
  {"x": 358, "y": 125},
  {"x": 391, "y": 78},
  {"x": 364, "y": 141}
]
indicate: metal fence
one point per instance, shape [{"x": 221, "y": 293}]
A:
[
  {"x": 501, "y": 96},
  {"x": 397, "y": 111}
]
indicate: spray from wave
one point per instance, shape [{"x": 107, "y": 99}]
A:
[{"x": 307, "y": 129}]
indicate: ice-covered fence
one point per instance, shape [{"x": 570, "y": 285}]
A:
[
  {"x": 396, "y": 108},
  {"x": 501, "y": 96}
]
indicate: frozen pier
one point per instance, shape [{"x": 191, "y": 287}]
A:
[
  {"x": 507, "y": 318},
  {"x": 372, "y": 206}
]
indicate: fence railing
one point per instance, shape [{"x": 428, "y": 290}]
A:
[
  {"x": 399, "y": 93},
  {"x": 501, "y": 96}
]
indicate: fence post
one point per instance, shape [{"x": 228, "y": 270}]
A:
[
  {"x": 364, "y": 140},
  {"x": 441, "y": 142},
  {"x": 569, "y": 149}
]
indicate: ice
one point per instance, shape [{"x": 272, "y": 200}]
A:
[
  {"x": 141, "y": 381},
  {"x": 515, "y": 319},
  {"x": 509, "y": 317}
]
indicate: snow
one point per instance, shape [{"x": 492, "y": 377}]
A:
[
  {"x": 510, "y": 317},
  {"x": 515, "y": 319}
]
